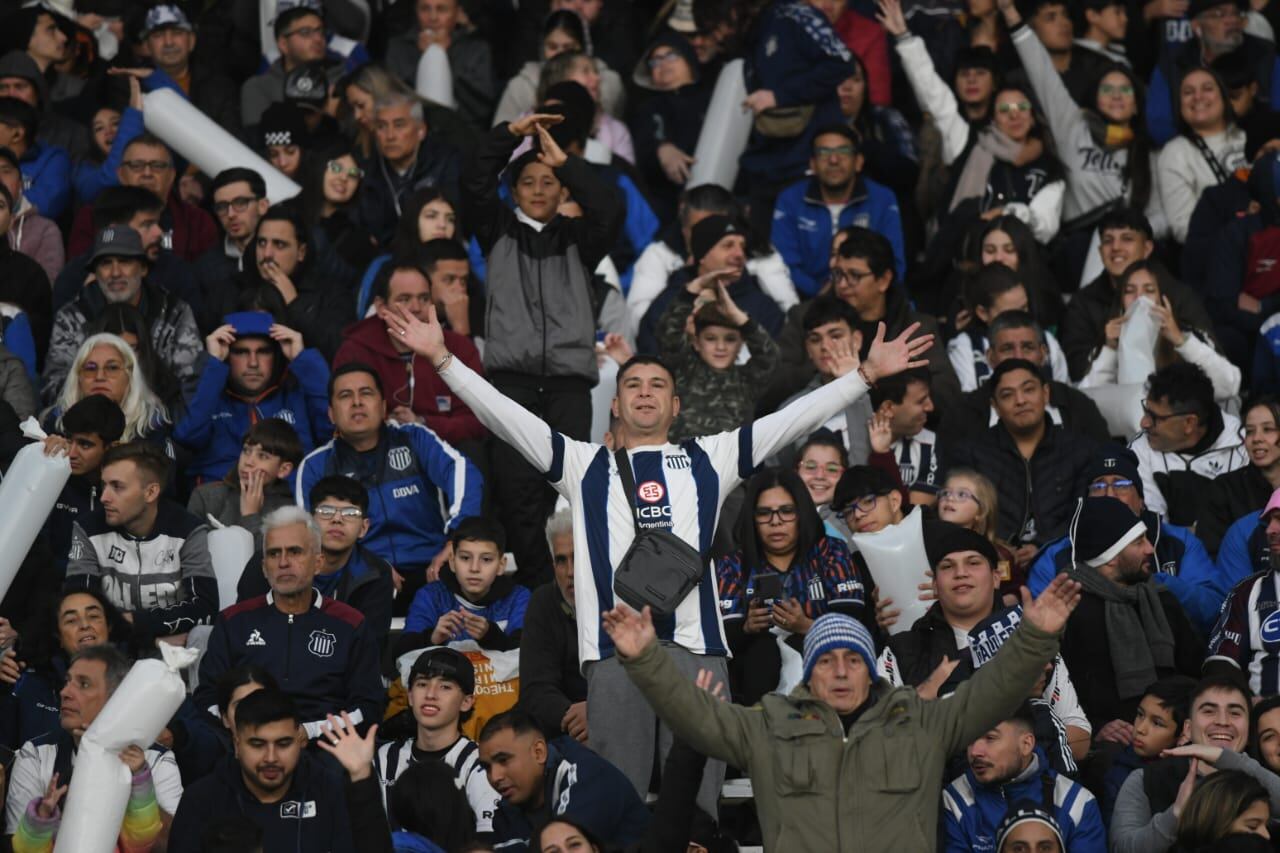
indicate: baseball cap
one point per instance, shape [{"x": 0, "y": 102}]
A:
[
  {"x": 16, "y": 63},
  {"x": 1272, "y": 505},
  {"x": 165, "y": 16},
  {"x": 307, "y": 86},
  {"x": 117, "y": 241},
  {"x": 446, "y": 663}
]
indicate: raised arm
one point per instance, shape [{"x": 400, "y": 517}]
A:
[
  {"x": 1060, "y": 109},
  {"x": 934, "y": 95}
]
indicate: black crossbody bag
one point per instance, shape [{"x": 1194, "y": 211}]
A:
[{"x": 659, "y": 569}]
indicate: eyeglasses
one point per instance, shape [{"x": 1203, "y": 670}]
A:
[
  {"x": 327, "y": 512},
  {"x": 111, "y": 369},
  {"x": 1112, "y": 89},
  {"x": 1119, "y": 487},
  {"x": 832, "y": 468},
  {"x": 958, "y": 495},
  {"x": 657, "y": 59},
  {"x": 864, "y": 505},
  {"x": 239, "y": 205},
  {"x": 145, "y": 165},
  {"x": 1007, "y": 107},
  {"x": 839, "y": 276},
  {"x": 336, "y": 168},
  {"x": 305, "y": 32},
  {"x": 833, "y": 151},
  {"x": 1155, "y": 419},
  {"x": 764, "y": 514}
]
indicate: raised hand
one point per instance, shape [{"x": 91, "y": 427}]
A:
[
  {"x": 528, "y": 125},
  {"x": 1052, "y": 608},
  {"x": 1169, "y": 328},
  {"x": 928, "y": 689},
  {"x": 841, "y": 356},
  {"x": 424, "y": 338},
  {"x": 1187, "y": 788},
  {"x": 891, "y": 17},
  {"x": 219, "y": 342},
  {"x": 617, "y": 348},
  {"x": 551, "y": 154},
  {"x": 252, "y": 493},
  {"x": 48, "y": 805},
  {"x": 353, "y": 752},
  {"x": 727, "y": 306},
  {"x": 887, "y": 358},
  {"x": 880, "y": 432},
  {"x": 134, "y": 758},
  {"x": 630, "y": 631},
  {"x": 706, "y": 680},
  {"x": 1111, "y": 332},
  {"x": 290, "y": 340}
]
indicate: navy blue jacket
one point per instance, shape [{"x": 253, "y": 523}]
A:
[
  {"x": 312, "y": 815},
  {"x": 802, "y": 228},
  {"x": 580, "y": 785},
  {"x": 216, "y": 420},
  {"x": 325, "y": 658},
  {"x": 404, "y": 475},
  {"x": 32, "y": 706},
  {"x": 79, "y": 498}
]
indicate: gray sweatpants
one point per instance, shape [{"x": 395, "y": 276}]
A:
[{"x": 624, "y": 729}]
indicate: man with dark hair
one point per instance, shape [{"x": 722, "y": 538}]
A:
[
  {"x": 300, "y": 37},
  {"x": 318, "y": 648},
  {"x": 1036, "y": 465},
  {"x": 88, "y": 430},
  {"x": 92, "y": 677},
  {"x": 1006, "y": 768},
  {"x": 541, "y": 780},
  {"x": 46, "y": 170},
  {"x": 292, "y": 795},
  {"x": 1186, "y": 441},
  {"x": 424, "y": 486},
  {"x": 448, "y": 268},
  {"x": 239, "y": 201},
  {"x": 351, "y": 573},
  {"x": 809, "y": 212},
  {"x": 1016, "y": 334},
  {"x": 1128, "y": 630},
  {"x": 1243, "y": 641},
  {"x": 186, "y": 230},
  {"x": 119, "y": 264},
  {"x": 1124, "y": 236},
  {"x": 905, "y": 402},
  {"x": 417, "y": 394},
  {"x": 256, "y": 369},
  {"x": 441, "y": 687},
  {"x": 146, "y": 553}
]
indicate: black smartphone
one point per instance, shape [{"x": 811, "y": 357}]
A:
[{"x": 768, "y": 589}]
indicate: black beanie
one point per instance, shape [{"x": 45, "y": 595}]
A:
[
  {"x": 712, "y": 230},
  {"x": 1101, "y": 529},
  {"x": 942, "y": 538},
  {"x": 1115, "y": 460}
]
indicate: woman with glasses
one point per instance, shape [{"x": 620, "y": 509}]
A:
[
  {"x": 1245, "y": 490},
  {"x": 1004, "y": 166},
  {"x": 106, "y": 364},
  {"x": 968, "y": 499},
  {"x": 331, "y": 185},
  {"x": 786, "y": 574},
  {"x": 1176, "y": 341},
  {"x": 820, "y": 462}
]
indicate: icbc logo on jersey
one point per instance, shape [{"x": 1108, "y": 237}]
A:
[{"x": 650, "y": 491}]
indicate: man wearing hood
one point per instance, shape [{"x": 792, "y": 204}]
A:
[
  {"x": 1181, "y": 562},
  {"x": 1006, "y": 767},
  {"x": 21, "y": 78},
  {"x": 1186, "y": 442},
  {"x": 1127, "y": 631},
  {"x": 46, "y": 169},
  {"x": 256, "y": 369}
]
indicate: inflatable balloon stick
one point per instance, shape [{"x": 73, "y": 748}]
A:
[
  {"x": 898, "y": 564},
  {"x": 724, "y": 132},
  {"x": 230, "y": 550},
  {"x": 136, "y": 713},
  {"x": 29, "y": 490},
  {"x": 206, "y": 144},
  {"x": 434, "y": 80}
]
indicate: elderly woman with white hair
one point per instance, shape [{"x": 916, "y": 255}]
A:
[{"x": 105, "y": 364}]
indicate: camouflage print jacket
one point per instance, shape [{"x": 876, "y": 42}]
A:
[
  {"x": 712, "y": 400},
  {"x": 174, "y": 337}
]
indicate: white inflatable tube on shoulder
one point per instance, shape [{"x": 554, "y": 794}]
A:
[
  {"x": 725, "y": 131},
  {"x": 434, "y": 80},
  {"x": 28, "y": 493},
  {"x": 898, "y": 564},
  {"x": 230, "y": 550},
  {"x": 203, "y": 142},
  {"x": 136, "y": 713}
]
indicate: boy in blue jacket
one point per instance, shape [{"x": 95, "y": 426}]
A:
[{"x": 473, "y": 599}]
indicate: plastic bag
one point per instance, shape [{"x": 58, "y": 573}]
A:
[
  {"x": 1136, "y": 352},
  {"x": 230, "y": 549},
  {"x": 725, "y": 130},
  {"x": 28, "y": 493},
  {"x": 898, "y": 564},
  {"x": 96, "y": 802},
  {"x": 434, "y": 80}
]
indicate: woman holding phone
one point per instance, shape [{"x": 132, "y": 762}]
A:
[{"x": 785, "y": 575}]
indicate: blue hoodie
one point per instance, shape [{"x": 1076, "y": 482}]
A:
[
  {"x": 503, "y": 604},
  {"x": 1182, "y": 564},
  {"x": 802, "y": 228},
  {"x": 412, "y": 842},
  {"x": 92, "y": 178},
  {"x": 46, "y": 179},
  {"x": 972, "y": 811},
  {"x": 1243, "y": 551}
]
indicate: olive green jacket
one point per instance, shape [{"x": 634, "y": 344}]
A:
[{"x": 818, "y": 790}]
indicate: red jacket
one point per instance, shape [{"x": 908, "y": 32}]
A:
[
  {"x": 866, "y": 38},
  {"x": 367, "y": 341},
  {"x": 192, "y": 231}
]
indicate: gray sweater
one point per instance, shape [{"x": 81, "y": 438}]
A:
[{"x": 1134, "y": 829}]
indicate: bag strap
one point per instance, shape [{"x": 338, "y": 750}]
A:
[
  {"x": 628, "y": 484},
  {"x": 1218, "y": 171}
]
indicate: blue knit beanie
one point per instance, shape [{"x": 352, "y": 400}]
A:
[{"x": 837, "y": 631}]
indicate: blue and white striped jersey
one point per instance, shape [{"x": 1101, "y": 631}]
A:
[{"x": 680, "y": 487}]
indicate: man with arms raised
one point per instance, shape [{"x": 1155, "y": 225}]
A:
[{"x": 680, "y": 488}]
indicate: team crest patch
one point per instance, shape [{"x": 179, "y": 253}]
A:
[
  {"x": 650, "y": 491},
  {"x": 399, "y": 458},
  {"x": 322, "y": 643}
]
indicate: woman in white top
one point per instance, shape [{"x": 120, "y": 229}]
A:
[
  {"x": 1177, "y": 341},
  {"x": 1206, "y": 152}
]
